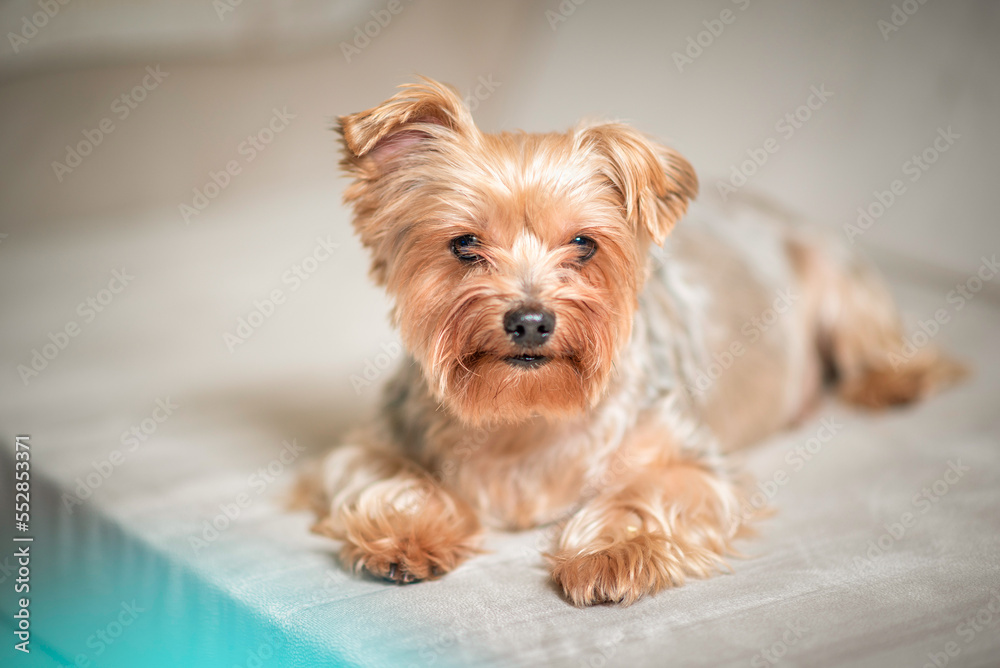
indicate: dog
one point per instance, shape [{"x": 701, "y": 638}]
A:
[{"x": 572, "y": 358}]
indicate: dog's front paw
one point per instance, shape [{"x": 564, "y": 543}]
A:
[
  {"x": 402, "y": 554},
  {"x": 420, "y": 543},
  {"x": 622, "y": 572}
]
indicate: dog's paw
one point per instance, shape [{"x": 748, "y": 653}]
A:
[
  {"x": 626, "y": 570},
  {"x": 419, "y": 544},
  {"x": 408, "y": 558},
  {"x": 622, "y": 572}
]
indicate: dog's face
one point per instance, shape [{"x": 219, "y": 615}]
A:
[{"x": 514, "y": 260}]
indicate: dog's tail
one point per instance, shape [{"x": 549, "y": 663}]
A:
[{"x": 863, "y": 340}]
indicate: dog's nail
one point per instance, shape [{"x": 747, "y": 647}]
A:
[{"x": 392, "y": 571}]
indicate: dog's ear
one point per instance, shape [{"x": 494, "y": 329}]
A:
[
  {"x": 655, "y": 182},
  {"x": 379, "y": 143},
  {"x": 422, "y": 111}
]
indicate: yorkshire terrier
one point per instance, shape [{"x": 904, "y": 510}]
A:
[{"x": 572, "y": 357}]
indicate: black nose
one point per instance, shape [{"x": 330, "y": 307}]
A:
[{"x": 529, "y": 326}]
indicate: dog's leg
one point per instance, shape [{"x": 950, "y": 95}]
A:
[
  {"x": 673, "y": 519},
  {"x": 394, "y": 520},
  {"x": 861, "y": 335}
]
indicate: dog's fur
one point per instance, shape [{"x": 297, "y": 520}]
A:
[{"x": 660, "y": 359}]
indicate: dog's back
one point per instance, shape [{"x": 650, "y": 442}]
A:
[{"x": 779, "y": 304}]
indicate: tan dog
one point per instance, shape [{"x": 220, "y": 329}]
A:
[{"x": 561, "y": 369}]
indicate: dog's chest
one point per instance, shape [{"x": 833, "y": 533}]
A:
[{"x": 529, "y": 474}]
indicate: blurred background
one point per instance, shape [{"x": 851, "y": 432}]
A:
[
  {"x": 170, "y": 217},
  {"x": 716, "y": 80}
]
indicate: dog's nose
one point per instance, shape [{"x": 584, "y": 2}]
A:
[{"x": 529, "y": 326}]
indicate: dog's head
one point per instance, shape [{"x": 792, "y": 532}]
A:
[{"x": 514, "y": 260}]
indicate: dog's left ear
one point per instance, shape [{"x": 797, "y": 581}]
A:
[{"x": 655, "y": 182}]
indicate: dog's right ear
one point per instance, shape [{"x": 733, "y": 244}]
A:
[
  {"x": 376, "y": 138},
  {"x": 379, "y": 143}
]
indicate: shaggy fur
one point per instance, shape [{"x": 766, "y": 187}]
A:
[{"x": 660, "y": 359}]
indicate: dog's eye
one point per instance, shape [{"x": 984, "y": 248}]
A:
[
  {"x": 463, "y": 248},
  {"x": 587, "y": 247}
]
